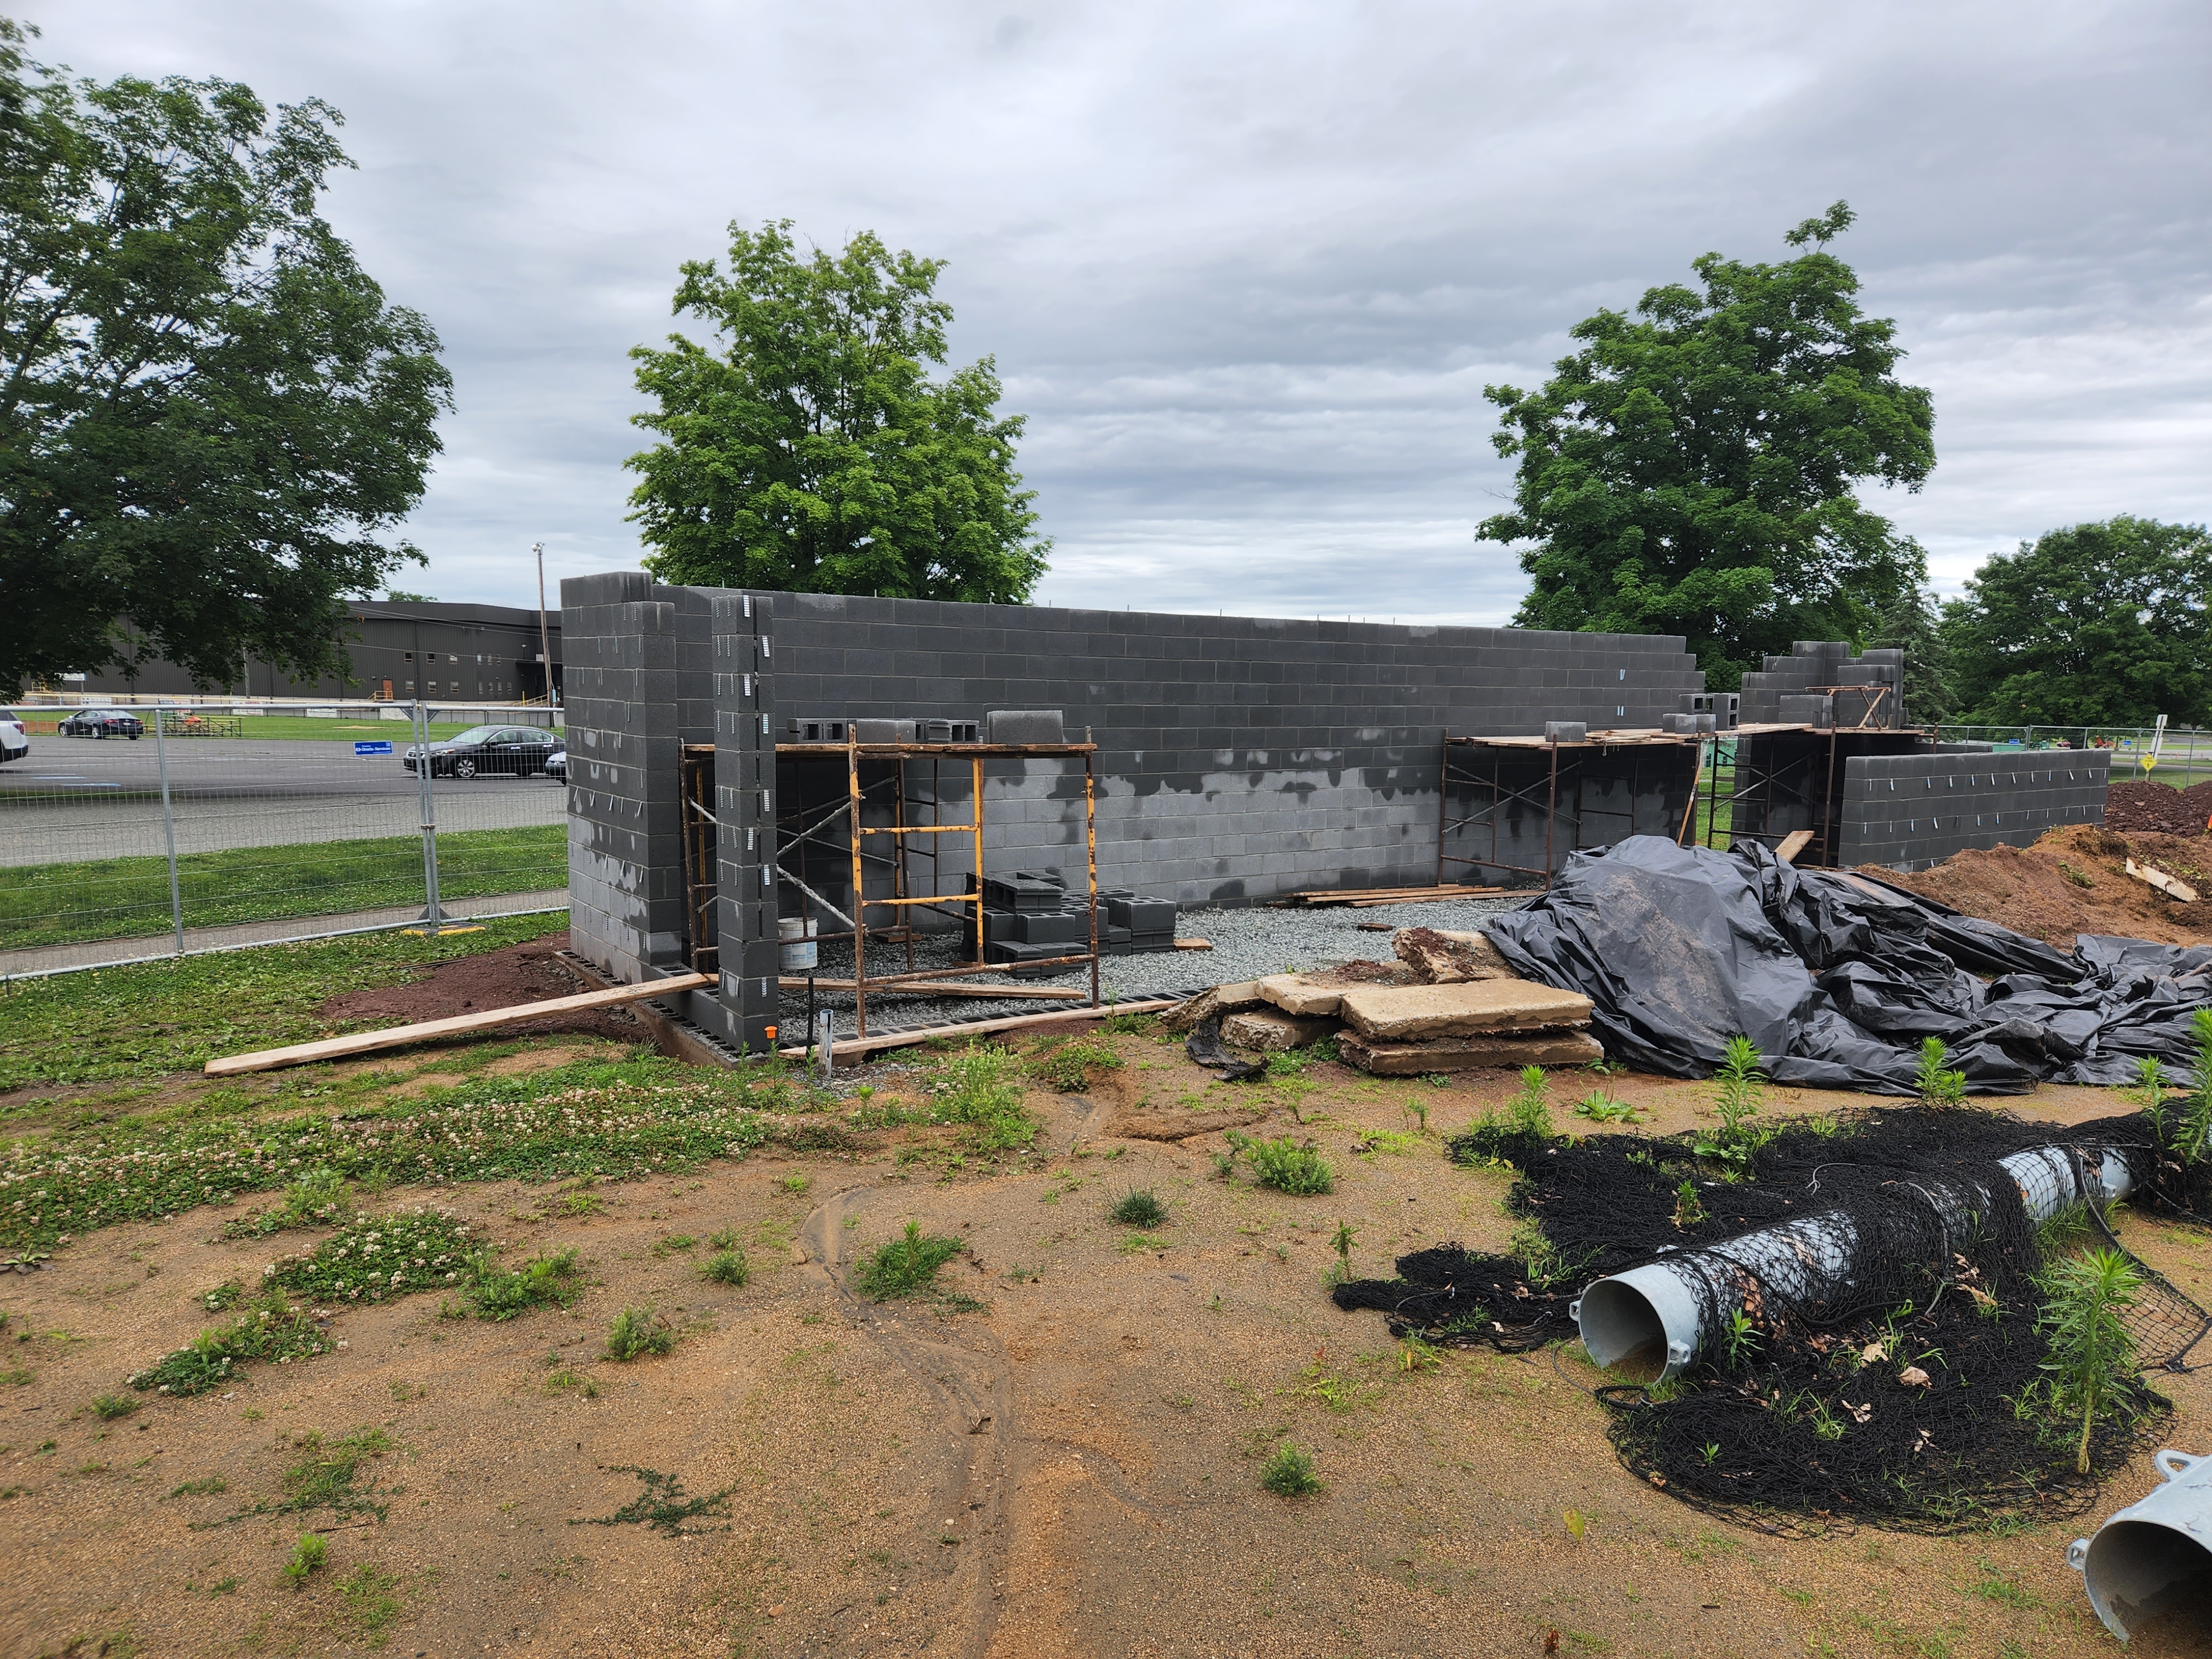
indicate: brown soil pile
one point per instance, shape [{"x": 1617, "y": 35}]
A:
[
  {"x": 2074, "y": 880},
  {"x": 2159, "y": 807},
  {"x": 499, "y": 979}
]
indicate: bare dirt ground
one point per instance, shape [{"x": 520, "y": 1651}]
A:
[
  {"x": 1069, "y": 1469},
  {"x": 2075, "y": 880},
  {"x": 498, "y": 979}
]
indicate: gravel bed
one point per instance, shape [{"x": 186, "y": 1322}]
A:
[{"x": 1249, "y": 943}]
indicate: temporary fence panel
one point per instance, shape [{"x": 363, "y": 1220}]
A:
[{"x": 173, "y": 829}]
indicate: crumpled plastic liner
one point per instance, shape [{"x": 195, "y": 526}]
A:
[
  {"x": 1205, "y": 1045},
  {"x": 1838, "y": 978}
]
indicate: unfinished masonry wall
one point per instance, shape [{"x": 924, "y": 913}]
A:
[
  {"x": 1239, "y": 756},
  {"x": 1909, "y": 812}
]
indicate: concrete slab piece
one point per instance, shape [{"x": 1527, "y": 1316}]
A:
[
  {"x": 1297, "y": 995},
  {"x": 1449, "y": 958},
  {"x": 1468, "y": 1053},
  {"x": 1411, "y": 1012},
  {"x": 1271, "y": 1032}
]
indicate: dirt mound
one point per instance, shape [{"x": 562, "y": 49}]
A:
[
  {"x": 2074, "y": 880},
  {"x": 498, "y": 979},
  {"x": 2160, "y": 808}
]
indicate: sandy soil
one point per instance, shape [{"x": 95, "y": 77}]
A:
[
  {"x": 1070, "y": 1470},
  {"x": 2072, "y": 881}
]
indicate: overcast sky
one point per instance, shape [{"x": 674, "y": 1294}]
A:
[{"x": 1246, "y": 268}]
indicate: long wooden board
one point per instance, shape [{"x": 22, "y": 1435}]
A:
[
  {"x": 1792, "y": 844},
  {"x": 398, "y": 1037},
  {"x": 846, "y": 1046},
  {"x": 929, "y": 988}
]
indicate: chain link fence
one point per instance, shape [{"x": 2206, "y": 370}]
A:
[
  {"x": 133, "y": 832},
  {"x": 2180, "y": 756}
]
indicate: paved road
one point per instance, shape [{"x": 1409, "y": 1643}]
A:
[{"x": 77, "y": 798}]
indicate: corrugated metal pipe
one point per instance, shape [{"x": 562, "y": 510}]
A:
[
  {"x": 1654, "y": 1313},
  {"x": 2154, "y": 1555}
]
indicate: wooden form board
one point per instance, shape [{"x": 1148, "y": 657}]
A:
[
  {"x": 398, "y": 1037},
  {"x": 871, "y": 1045},
  {"x": 1792, "y": 844},
  {"x": 925, "y": 988}
]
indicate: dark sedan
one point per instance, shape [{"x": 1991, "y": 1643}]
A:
[
  {"x": 557, "y": 764},
  {"x": 103, "y": 723},
  {"x": 495, "y": 751}
]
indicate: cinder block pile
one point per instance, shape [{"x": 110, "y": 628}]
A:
[
  {"x": 1031, "y": 917},
  {"x": 1450, "y": 1004},
  {"x": 1780, "y": 691}
]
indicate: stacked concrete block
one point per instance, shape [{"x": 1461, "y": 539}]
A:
[
  {"x": 745, "y": 733},
  {"x": 1239, "y": 757},
  {"x": 625, "y": 854},
  {"x": 1770, "y": 696},
  {"x": 1908, "y": 811}
]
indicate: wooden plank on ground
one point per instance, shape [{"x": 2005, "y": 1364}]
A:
[
  {"x": 398, "y": 1037},
  {"x": 855, "y": 1046},
  {"x": 925, "y": 988},
  {"x": 1792, "y": 844},
  {"x": 2170, "y": 886},
  {"x": 1193, "y": 945}
]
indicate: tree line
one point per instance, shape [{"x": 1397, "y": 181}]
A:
[{"x": 213, "y": 424}]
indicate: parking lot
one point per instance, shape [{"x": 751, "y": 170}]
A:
[{"x": 75, "y": 798}]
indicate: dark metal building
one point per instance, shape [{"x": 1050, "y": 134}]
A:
[{"x": 399, "y": 650}]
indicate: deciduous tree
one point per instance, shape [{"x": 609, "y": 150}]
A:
[
  {"x": 1692, "y": 468},
  {"x": 2105, "y": 624},
  {"x": 810, "y": 450},
  {"x": 210, "y": 419}
]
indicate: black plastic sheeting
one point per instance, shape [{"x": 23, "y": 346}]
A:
[{"x": 1837, "y": 978}]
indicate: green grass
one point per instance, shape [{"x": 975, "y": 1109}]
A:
[
  {"x": 636, "y": 1332},
  {"x": 548, "y": 1279},
  {"x": 157, "y": 1018},
  {"x": 608, "y": 1119},
  {"x": 725, "y": 1267},
  {"x": 308, "y": 1555},
  {"x": 1290, "y": 1473},
  {"x": 1139, "y": 1208},
  {"x": 662, "y": 1505},
  {"x": 981, "y": 1086},
  {"x": 44, "y": 904},
  {"x": 907, "y": 1267},
  {"x": 297, "y": 728},
  {"x": 1285, "y": 1165}
]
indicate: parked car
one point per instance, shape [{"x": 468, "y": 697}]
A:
[
  {"x": 557, "y": 764},
  {"x": 508, "y": 752},
  {"x": 103, "y": 723},
  {"x": 14, "y": 741}
]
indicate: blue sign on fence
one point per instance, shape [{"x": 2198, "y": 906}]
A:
[{"x": 371, "y": 748}]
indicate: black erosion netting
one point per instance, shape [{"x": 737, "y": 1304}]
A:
[
  {"x": 1889, "y": 1368},
  {"x": 1837, "y": 978}
]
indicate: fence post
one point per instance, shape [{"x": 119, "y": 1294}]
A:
[
  {"x": 168, "y": 823},
  {"x": 430, "y": 916}
]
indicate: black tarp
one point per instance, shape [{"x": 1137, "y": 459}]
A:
[{"x": 1837, "y": 978}]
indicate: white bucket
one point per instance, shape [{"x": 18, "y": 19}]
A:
[
  {"x": 2153, "y": 1554},
  {"x": 799, "y": 946}
]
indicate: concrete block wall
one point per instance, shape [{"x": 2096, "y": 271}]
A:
[
  {"x": 1239, "y": 757},
  {"x": 744, "y": 813},
  {"x": 625, "y": 855},
  {"x": 1827, "y": 662},
  {"x": 1909, "y": 812}
]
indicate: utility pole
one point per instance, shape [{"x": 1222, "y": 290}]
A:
[{"x": 544, "y": 647}]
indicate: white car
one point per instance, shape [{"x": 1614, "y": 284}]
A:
[{"x": 14, "y": 741}]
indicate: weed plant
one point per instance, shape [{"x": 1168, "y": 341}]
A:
[
  {"x": 2092, "y": 1351},
  {"x": 317, "y": 1200},
  {"x": 1601, "y": 1108},
  {"x": 1140, "y": 1207},
  {"x": 907, "y": 1267},
  {"x": 109, "y": 1406},
  {"x": 1290, "y": 1473},
  {"x": 549, "y": 1280},
  {"x": 980, "y": 1086},
  {"x": 309, "y": 1553},
  {"x": 372, "y": 1257},
  {"x": 1285, "y": 1165},
  {"x": 1065, "y": 1063},
  {"x": 1738, "y": 1092},
  {"x": 365, "y": 1601},
  {"x": 725, "y": 1267},
  {"x": 637, "y": 1332},
  {"x": 662, "y": 1505},
  {"x": 1935, "y": 1084},
  {"x": 272, "y": 1328}
]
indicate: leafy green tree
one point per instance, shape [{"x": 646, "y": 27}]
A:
[
  {"x": 2095, "y": 625},
  {"x": 1911, "y": 623},
  {"x": 1691, "y": 469},
  {"x": 812, "y": 452},
  {"x": 210, "y": 417}
]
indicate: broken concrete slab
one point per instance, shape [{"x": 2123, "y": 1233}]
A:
[
  {"x": 1301, "y": 996},
  {"x": 1272, "y": 1032},
  {"x": 1468, "y": 1053},
  {"x": 1207, "y": 1005},
  {"x": 1448, "y": 958},
  {"x": 1411, "y": 1013}
]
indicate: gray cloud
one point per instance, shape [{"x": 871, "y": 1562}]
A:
[{"x": 1246, "y": 268}]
